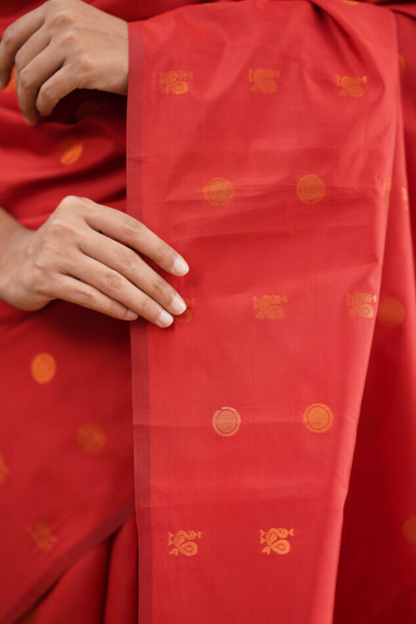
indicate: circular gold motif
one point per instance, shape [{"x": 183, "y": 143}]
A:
[
  {"x": 318, "y": 417},
  {"x": 218, "y": 191},
  {"x": 91, "y": 437},
  {"x": 387, "y": 190},
  {"x": 391, "y": 312},
  {"x": 409, "y": 530},
  {"x": 70, "y": 152},
  {"x": 311, "y": 189},
  {"x": 226, "y": 421},
  {"x": 43, "y": 368}
]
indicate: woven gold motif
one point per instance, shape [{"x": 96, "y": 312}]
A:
[
  {"x": 269, "y": 306},
  {"x": 351, "y": 85},
  {"x": 42, "y": 536},
  {"x": 263, "y": 79},
  {"x": 276, "y": 540},
  {"x": 318, "y": 418},
  {"x": 226, "y": 421},
  {"x": 218, "y": 191},
  {"x": 183, "y": 542},
  {"x": 186, "y": 316},
  {"x": 361, "y": 304},
  {"x": 4, "y": 469},
  {"x": 311, "y": 189},
  {"x": 174, "y": 81}
]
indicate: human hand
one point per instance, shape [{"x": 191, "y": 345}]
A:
[
  {"x": 61, "y": 46},
  {"x": 78, "y": 255}
]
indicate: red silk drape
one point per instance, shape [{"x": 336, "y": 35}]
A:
[{"x": 272, "y": 144}]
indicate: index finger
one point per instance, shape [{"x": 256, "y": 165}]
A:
[
  {"x": 14, "y": 37},
  {"x": 135, "y": 234}
]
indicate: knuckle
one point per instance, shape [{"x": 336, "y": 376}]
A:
[
  {"x": 67, "y": 202},
  {"x": 127, "y": 258},
  {"x": 148, "y": 308},
  {"x": 133, "y": 228},
  {"x": 62, "y": 16},
  {"x": 112, "y": 282},
  {"x": 46, "y": 95},
  {"x": 8, "y": 37},
  {"x": 25, "y": 79},
  {"x": 85, "y": 296},
  {"x": 160, "y": 286},
  {"x": 60, "y": 227}
]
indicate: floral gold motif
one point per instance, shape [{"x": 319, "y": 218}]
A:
[
  {"x": 310, "y": 189},
  {"x": 405, "y": 196},
  {"x": 226, "y": 421},
  {"x": 186, "y": 316},
  {"x": 391, "y": 312},
  {"x": 43, "y": 368},
  {"x": 269, "y": 306},
  {"x": 91, "y": 437},
  {"x": 174, "y": 81},
  {"x": 218, "y": 191},
  {"x": 183, "y": 542},
  {"x": 409, "y": 529},
  {"x": 276, "y": 540},
  {"x": 263, "y": 79},
  {"x": 318, "y": 417},
  {"x": 351, "y": 85},
  {"x": 42, "y": 536},
  {"x": 4, "y": 469},
  {"x": 361, "y": 304}
]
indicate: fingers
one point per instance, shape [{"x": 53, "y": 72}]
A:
[
  {"x": 129, "y": 264},
  {"x": 135, "y": 234},
  {"x": 34, "y": 79},
  {"x": 58, "y": 86},
  {"x": 116, "y": 287},
  {"x": 85, "y": 295},
  {"x": 14, "y": 37}
]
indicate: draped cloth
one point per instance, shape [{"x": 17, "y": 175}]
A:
[{"x": 268, "y": 462}]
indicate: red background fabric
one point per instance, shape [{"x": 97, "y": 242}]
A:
[{"x": 262, "y": 230}]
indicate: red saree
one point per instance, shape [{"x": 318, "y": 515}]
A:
[{"x": 273, "y": 144}]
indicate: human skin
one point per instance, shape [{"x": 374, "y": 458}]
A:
[{"x": 85, "y": 253}]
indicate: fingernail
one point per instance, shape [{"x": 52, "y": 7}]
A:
[
  {"x": 178, "y": 305},
  {"x": 131, "y": 315},
  {"x": 165, "y": 319},
  {"x": 180, "y": 266}
]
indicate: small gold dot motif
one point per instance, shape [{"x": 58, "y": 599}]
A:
[
  {"x": 186, "y": 316},
  {"x": 276, "y": 541},
  {"x": 387, "y": 191},
  {"x": 183, "y": 542},
  {"x": 311, "y": 189},
  {"x": 42, "y": 536},
  {"x": 11, "y": 86},
  {"x": 409, "y": 530},
  {"x": 174, "y": 81},
  {"x": 269, "y": 306},
  {"x": 391, "y": 312},
  {"x": 70, "y": 152},
  {"x": 402, "y": 64},
  {"x": 405, "y": 197},
  {"x": 218, "y": 191},
  {"x": 263, "y": 80},
  {"x": 351, "y": 85},
  {"x": 91, "y": 437},
  {"x": 226, "y": 421},
  {"x": 43, "y": 368},
  {"x": 361, "y": 304},
  {"x": 4, "y": 469},
  {"x": 318, "y": 417}
]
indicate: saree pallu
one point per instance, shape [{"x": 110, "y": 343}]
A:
[{"x": 272, "y": 143}]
